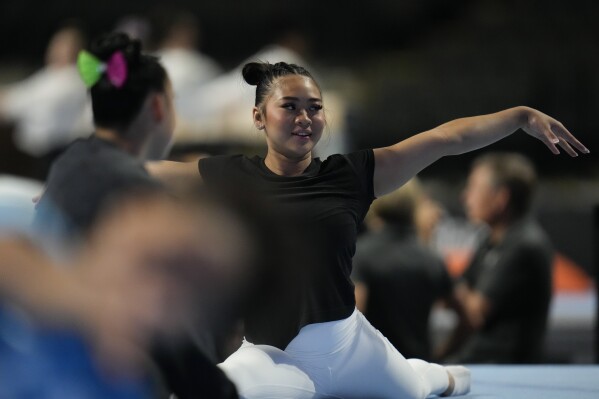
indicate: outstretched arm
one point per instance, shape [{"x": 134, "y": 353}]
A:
[
  {"x": 173, "y": 171},
  {"x": 396, "y": 164}
]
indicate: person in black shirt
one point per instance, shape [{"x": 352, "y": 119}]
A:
[
  {"x": 506, "y": 290},
  {"x": 134, "y": 121},
  {"x": 335, "y": 351},
  {"x": 398, "y": 279},
  {"x": 132, "y": 104}
]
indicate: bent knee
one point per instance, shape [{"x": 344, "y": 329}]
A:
[{"x": 263, "y": 371}]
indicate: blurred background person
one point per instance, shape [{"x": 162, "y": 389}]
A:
[
  {"x": 136, "y": 26},
  {"x": 177, "y": 42},
  {"x": 398, "y": 279},
  {"x": 48, "y": 109},
  {"x": 506, "y": 290},
  {"x": 133, "y": 122}
]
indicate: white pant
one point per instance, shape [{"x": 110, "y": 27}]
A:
[{"x": 340, "y": 359}]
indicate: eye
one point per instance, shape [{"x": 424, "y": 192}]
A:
[
  {"x": 316, "y": 107},
  {"x": 289, "y": 106}
]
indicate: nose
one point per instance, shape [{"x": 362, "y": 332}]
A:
[{"x": 303, "y": 119}]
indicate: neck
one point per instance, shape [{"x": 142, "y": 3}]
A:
[
  {"x": 284, "y": 166},
  {"x": 117, "y": 139}
]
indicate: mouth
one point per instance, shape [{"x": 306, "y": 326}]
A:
[{"x": 301, "y": 134}]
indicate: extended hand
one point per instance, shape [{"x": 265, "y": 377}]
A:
[{"x": 552, "y": 133}]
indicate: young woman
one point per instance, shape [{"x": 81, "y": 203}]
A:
[{"x": 333, "y": 350}]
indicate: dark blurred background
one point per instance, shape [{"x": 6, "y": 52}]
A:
[
  {"x": 413, "y": 63},
  {"x": 400, "y": 67}
]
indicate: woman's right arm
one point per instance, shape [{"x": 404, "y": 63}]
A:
[{"x": 169, "y": 171}]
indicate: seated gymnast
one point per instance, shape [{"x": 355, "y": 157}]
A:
[{"x": 318, "y": 344}]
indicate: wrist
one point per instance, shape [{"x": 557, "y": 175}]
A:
[{"x": 522, "y": 115}]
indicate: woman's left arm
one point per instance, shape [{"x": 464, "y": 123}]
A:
[{"x": 396, "y": 164}]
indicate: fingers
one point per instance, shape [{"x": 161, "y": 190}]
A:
[
  {"x": 561, "y": 131},
  {"x": 550, "y": 141},
  {"x": 569, "y": 150}
]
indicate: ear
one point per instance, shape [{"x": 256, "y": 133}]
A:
[
  {"x": 157, "y": 107},
  {"x": 258, "y": 118}
]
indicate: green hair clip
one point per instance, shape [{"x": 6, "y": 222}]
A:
[{"x": 90, "y": 68}]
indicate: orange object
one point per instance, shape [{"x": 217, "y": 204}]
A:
[
  {"x": 457, "y": 261},
  {"x": 569, "y": 276}
]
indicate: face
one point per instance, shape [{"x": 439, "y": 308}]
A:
[
  {"x": 63, "y": 48},
  {"x": 167, "y": 263},
  {"x": 293, "y": 117},
  {"x": 483, "y": 200}
]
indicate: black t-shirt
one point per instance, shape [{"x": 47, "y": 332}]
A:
[
  {"x": 404, "y": 280},
  {"x": 515, "y": 277},
  {"x": 318, "y": 213},
  {"x": 87, "y": 177}
]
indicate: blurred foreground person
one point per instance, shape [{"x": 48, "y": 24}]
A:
[
  {"x": 398, "y": 279},
  {"x": 506, "y": 289},
  {"x": 48, "y": 108},
  {"x": 152, "y": 268}
]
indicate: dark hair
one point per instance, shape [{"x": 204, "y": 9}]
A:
[
  {"x": 263, "y": 75},
  {"x": 114, "y": 107},
  {"x": 516, "y": 173}
]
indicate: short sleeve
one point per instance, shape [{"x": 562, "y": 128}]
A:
[
  {"x": 213, "y": 169},
  {"x": 363, "y": 164},
  {"x": 209, "y": 168}
]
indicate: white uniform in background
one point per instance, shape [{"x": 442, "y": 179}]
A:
[{"x": 50, "y": 109}]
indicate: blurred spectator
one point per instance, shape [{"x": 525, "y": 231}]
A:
[
  {"x": 49, "y": 108},
  {"x": 506, "y": 290},
  {"x": 177, "y": 40},
  {"x": 137, "y": 27},
  {"x": 228, "y": 95},
  {"x": 398, "y": 280}
]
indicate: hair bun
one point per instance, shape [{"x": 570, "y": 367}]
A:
[
  {"x": 108, "y": 44},
  {"x": 255, "y": 72}
]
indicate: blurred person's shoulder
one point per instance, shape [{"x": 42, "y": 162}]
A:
[
  {"x": 528, "y": 234},
  {"x": 97, "y": 155}
]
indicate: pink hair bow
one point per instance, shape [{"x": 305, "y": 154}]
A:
[{"x": 116, "y": 69}]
